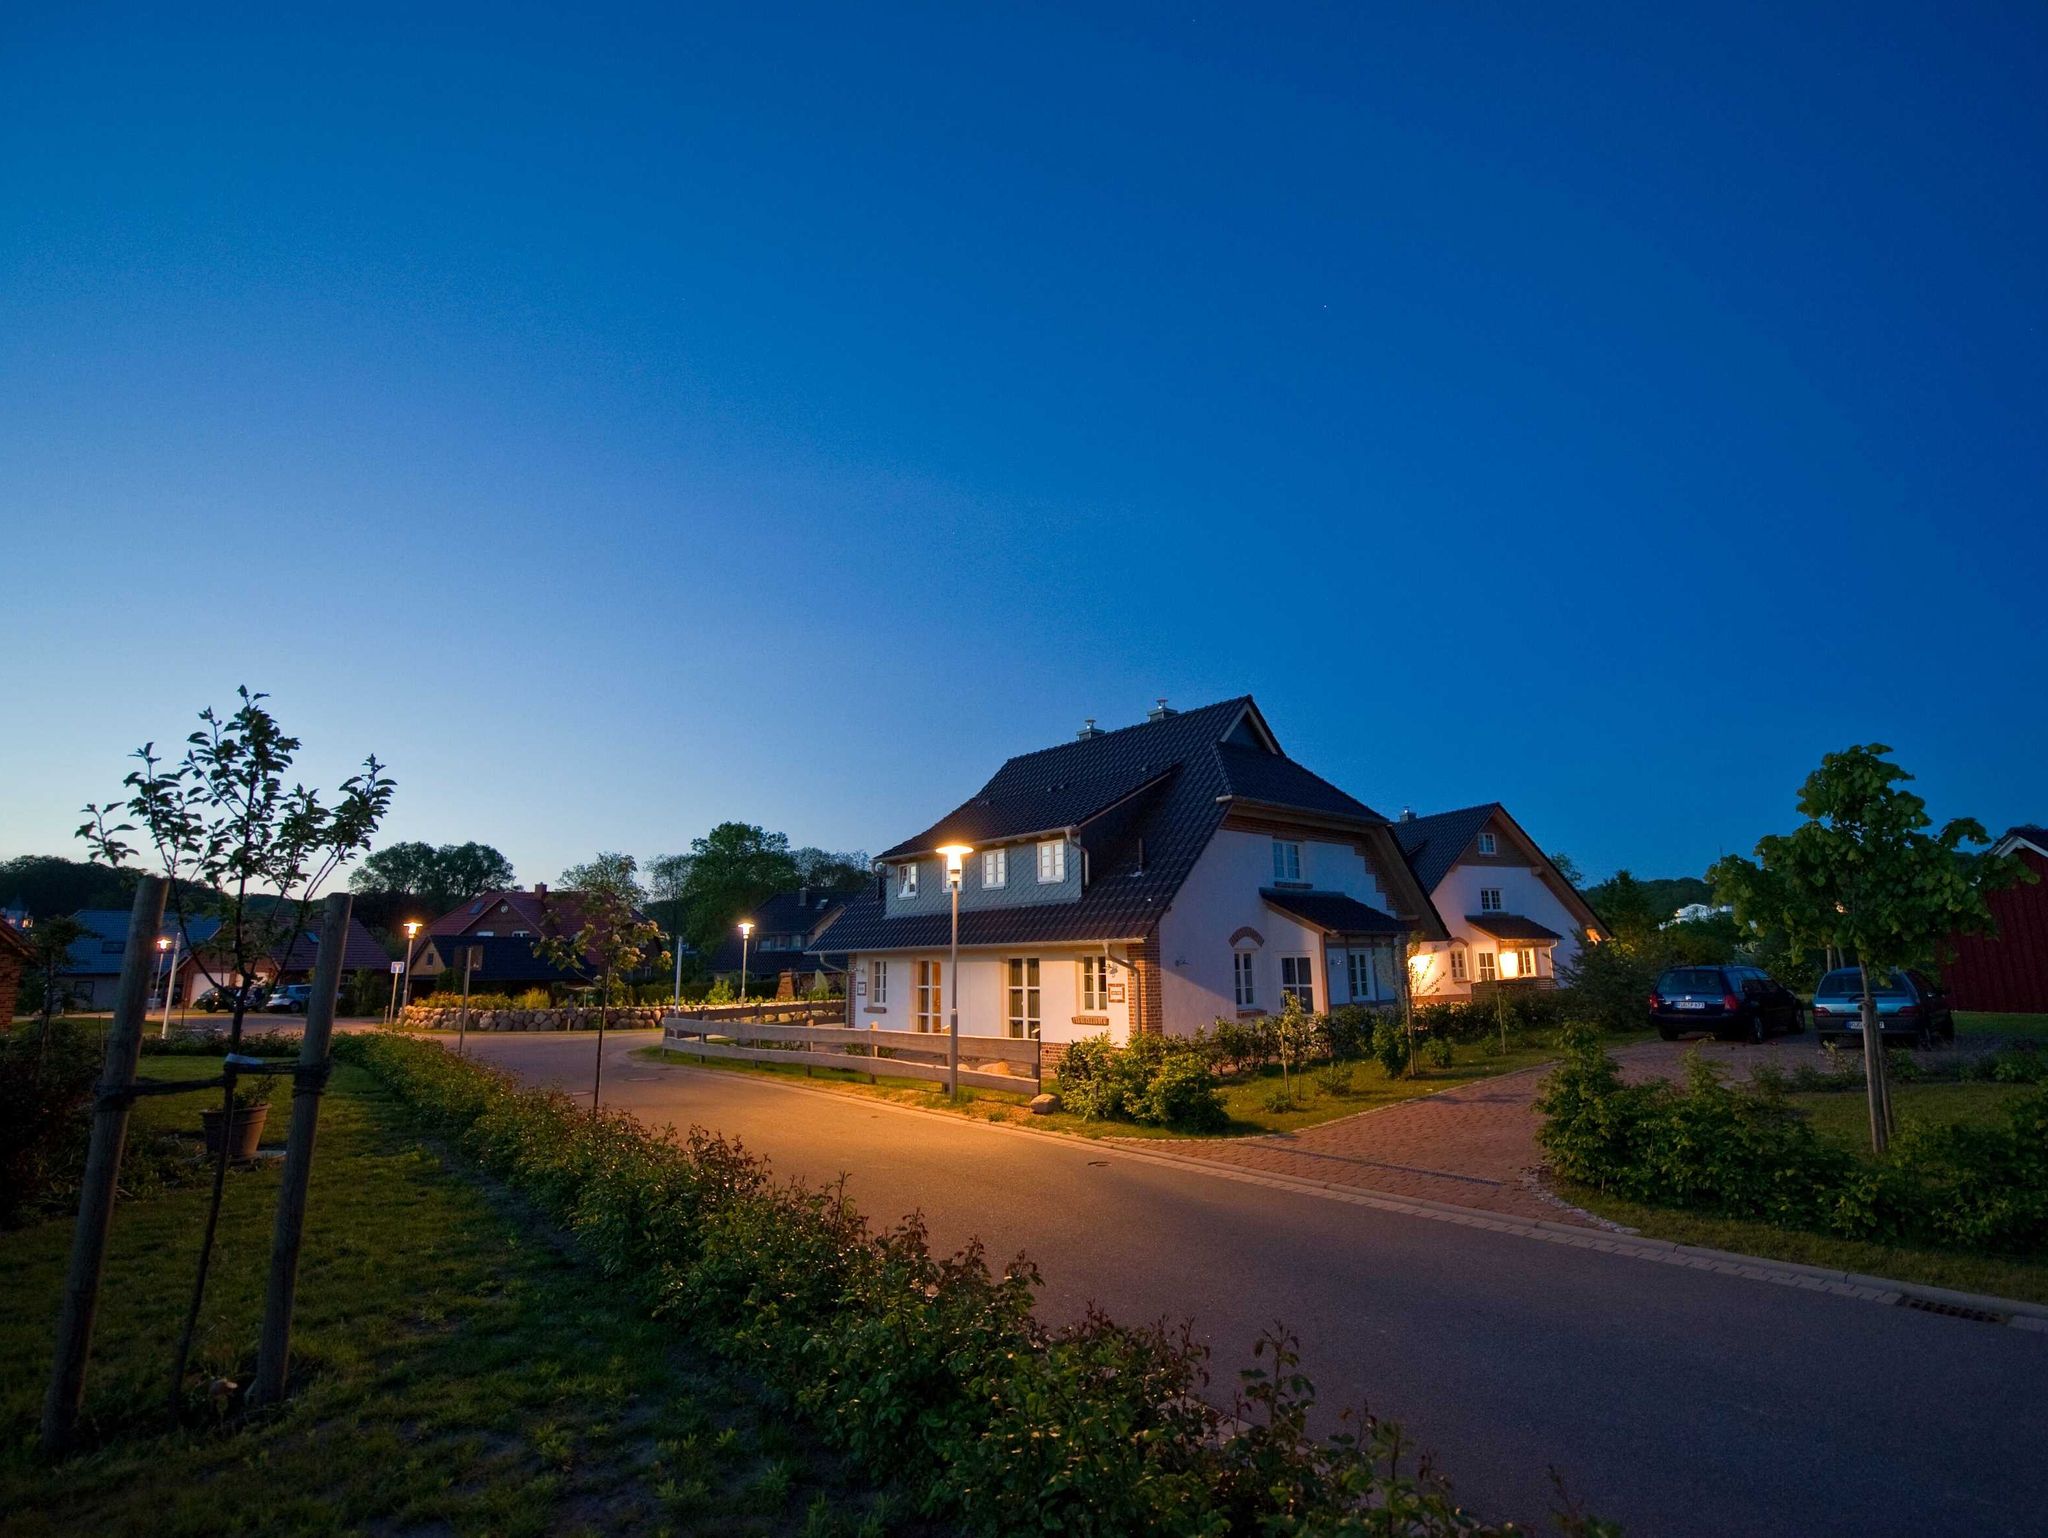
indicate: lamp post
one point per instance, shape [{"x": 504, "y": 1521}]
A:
[
  {"x": 746, "y": 932},
  {"x": 955, "y": 855},
  {"x": 412, "y": 927},
  {"x": 168, "y": 948}
]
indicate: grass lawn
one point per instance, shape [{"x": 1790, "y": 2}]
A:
[
  {"x": 1970, "y": 1022},
  {"x": 456, "y": 1371},
  {"x": 1320, "y": 1095},
  {"x": 1840, "y": 1117}
]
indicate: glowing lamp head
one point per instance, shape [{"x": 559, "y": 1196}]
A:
[
  {"x": 163, "y": 942},
  {"x": 412, "y": 927},
  {"x": 746, "y": 928},
  {"x": 956, "y": 855}
]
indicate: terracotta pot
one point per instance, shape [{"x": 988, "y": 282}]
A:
[{"x": 243, "y": 1136}]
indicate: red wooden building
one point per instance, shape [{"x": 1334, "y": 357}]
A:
[{"x": 2008, "y": 970}]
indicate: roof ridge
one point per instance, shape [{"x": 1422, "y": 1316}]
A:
[{"x": 1118, "y": 731}]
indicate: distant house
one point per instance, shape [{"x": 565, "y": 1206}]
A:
[
  {"x": 506, "y": 927},
  {"x": 786, "y": 946},
  {"x": 2008, "y": 969},
  {"x": 15, "y": 957},
  {"x": 1145, "y": 880},
  {"x": 1512, "y": 918},
  {"x": 93, "y": 970}
]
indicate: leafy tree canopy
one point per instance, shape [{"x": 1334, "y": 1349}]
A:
[
  {"x": 48, "y": 884},
  {"x": 732, "y": 868},
  {"x": 439, "y": 877}
]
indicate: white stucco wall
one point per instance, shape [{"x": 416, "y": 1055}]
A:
[
  {"x": 1524, "y": 893},
  {"x": 983, "y": 1001},
  {"x": 1221, "y": 896}
]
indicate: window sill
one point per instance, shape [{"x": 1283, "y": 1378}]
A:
[
  {"x": 1250, "y": 1014},
  {"x": 874, "y": 1009},
  {"x": 1102, "y": 1020},
  {"x": 1294, "y": 886}
]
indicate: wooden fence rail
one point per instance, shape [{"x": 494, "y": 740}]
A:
[{"x": 890, "y": 1054}]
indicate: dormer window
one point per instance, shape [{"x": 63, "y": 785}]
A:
[
  {"x": 1286, "y": 859},
  {"x": 1487, "y": 844},
  {"x": 995, "y": 867},
  {"x": 1052, "y": 861},
  {"x": 906, "y": 880}
]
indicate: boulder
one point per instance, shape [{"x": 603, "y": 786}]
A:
[{"x": 1044, "y": 1105}]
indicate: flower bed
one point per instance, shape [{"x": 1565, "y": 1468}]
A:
[{"x": 444, "y": 1017}]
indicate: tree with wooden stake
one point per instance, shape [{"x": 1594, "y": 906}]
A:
[
  {"x": 223, "y": 816},
  {"x": 1861, "y": 873},
  {"x": 595, "y": 930}
]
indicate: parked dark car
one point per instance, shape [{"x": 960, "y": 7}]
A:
[
  {"x": 289, "y": 1000},
  {"x": 1738, "y": 1003},
  {"x": 1911, "y": 1008},
  {"x": 215, "y": 1000}
]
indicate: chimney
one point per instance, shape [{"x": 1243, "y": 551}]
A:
[
  {"x": 803, "y": 895},
  {"x": 1407, "y": 814},
  {"x": 1160, "y": 710},
  {"x": 1088, "y": 729},
  {"x": 540, "y": 891}
]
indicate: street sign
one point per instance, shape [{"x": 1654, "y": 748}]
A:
[{"x": 397, "y": 967}]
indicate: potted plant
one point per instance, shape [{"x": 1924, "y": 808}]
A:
[{"x": 246, "y": 1129}]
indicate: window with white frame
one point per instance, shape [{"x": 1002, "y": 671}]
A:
[
  {"x": 1052, "y": 861},
  {"x": 1286, "y": 859},
  {"x": 1525, "y": 961},
  {"x": 1489, "y": 967},
  {"x": 1489, "y": 899},
  {"x": 995, "y": 867},
  {"x": 1364, "y": 975},
  {"x": 1460, "y": 966},
  {"x": 1241, "y": 974},
  {"x": 1021, "y": 1012},
  {"x": 931, "y": 995},
  {"x": 878, "y": 982},
  {"x": 1094, "y": 983},
  {"x": 906, "y": 880},
  {"x": 1487, "y": 844},
  {"x": 1297, "y": 981}
]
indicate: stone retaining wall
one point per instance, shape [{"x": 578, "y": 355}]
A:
[{"x": 418, "y": 1017}]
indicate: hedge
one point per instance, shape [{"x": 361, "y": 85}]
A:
[
  {"x": 931, "y": 1371},
  {"x": 1744, "y": 1153}
]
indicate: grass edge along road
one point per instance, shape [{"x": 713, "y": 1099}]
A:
[{"x": 455, "y": 1366}]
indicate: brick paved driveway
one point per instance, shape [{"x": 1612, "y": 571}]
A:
[{"x": 1473, "y": 1146}]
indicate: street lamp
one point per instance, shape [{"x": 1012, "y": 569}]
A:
[
  {"x": 166, "y": 946},
  {"x": 955, "y": 854},
  {"x": 746, "y": 931},
  {"x": 412, "y": 927}
]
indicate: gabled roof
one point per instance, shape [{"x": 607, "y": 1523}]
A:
[
  {"x": 360, "y": 951},
  {"x": 2031, "y": 834},
  {"x": 483, "y": 907},
  {"x": 1144, "y": 801},
  {"x": 506, "y": 959},
  {"x": 14, "y": 940},
  {"x": 805, "y": 912},
  {"x": 1333, "y": 913},
  {"x": 89, "y": 956},
  {"x": 1434, "y": 843}
]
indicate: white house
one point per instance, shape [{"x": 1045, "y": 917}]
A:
[
  {"x": 1512, "y": 917},
  {"x": 1149, "y": 879}
]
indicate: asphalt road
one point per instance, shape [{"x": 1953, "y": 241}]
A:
[{"x": 1679, "y": 1402}]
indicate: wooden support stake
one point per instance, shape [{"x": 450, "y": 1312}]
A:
[
  {"x": 102, "y": 1169},
  {"x": 273, "y": 1353}
]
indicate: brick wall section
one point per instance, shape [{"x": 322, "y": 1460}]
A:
[
  {"x": 1149, "y": 1016},
  {"x": 11, "y": 963}
]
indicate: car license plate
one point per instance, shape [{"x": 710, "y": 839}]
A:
[{"x": 1692, "y": 1004}]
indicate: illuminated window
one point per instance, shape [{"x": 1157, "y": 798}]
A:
[
  {"x": 906, "y": 880},
  {"x": 1286, "y": 860},
  {"x": 1489, "y": 899},
  {"x": 1488, "y": 967},
  {"x": 1460, "y": 968},
  {"x": 1022, "y": 1013},
  {"x": 1525, "y": 955},
  {"x": 930, "y": 995},
  {"x": 1094, "y": 983},
  {"x": 1052, "y": 861},
  {"x": 995, "y": 867}
]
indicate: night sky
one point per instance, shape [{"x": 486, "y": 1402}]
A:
[{"x": 621, "y": 425}]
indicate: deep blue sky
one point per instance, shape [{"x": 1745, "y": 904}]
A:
[{"x": 621, "y": 425}]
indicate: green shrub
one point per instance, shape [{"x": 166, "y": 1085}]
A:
[
  {"x": 1157, "y": 1080},
  {"x": 1336, "y": 1080},
  {"x": 1390, "y": 1045},
  {"x": 1349, "y": 1031},
  {"x": 1439, "y": 1051},
  {"x": 1243, "y": 1046},
  {"x": 1707, "y": 1147},
  {"x": 45, "y": 1096},
  {"x": 933, "y": 1371},
  {"x": 1183, "y": 1093}
]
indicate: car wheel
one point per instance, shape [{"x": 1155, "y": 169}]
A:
[
  {"x": 1924, "y": 1038},
  {"x": 1667, "y": 1033},
  {"x": 1758, "y": 1030}
]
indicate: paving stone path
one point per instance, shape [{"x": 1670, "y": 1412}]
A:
[{"x": 1472, "y": 1146}]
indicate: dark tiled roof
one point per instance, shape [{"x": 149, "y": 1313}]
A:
[
  {"x": 89, "y": 955},
  {"x": 1510, "y": 926},
  {"x": 2032, "y": 832},
  {"x": 1180, "y": 769},
  {"x": 1334, "y": 913},
  {"x": 786, "y": 913},
  {"x": 1434, "y": 843},
  {"x": 483, "y": 908},
  {"x": 506, "y": 959},
  {"x": 360, "y": 953}
]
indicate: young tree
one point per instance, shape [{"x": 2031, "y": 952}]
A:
[
  {"x": 594, "y": 928},
  {"x": 732, "y": 868},
  {"x": 223, "y": 817},
  {"x": 1862, "y": 873},
  {"x": 1631, "y": 913},
  {"x": 42, "y": 981}
]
